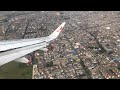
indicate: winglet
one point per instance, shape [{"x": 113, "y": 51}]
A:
[{"x": 57, "y": 31}]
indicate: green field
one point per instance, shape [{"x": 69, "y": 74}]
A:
[{"x": 15, "y": 70}]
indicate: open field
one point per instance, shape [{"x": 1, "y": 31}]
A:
[{"x": 15, "y": 70}]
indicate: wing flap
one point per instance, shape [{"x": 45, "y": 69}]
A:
[
  {"x": 44, "y": 49},
  {"x": 22, "y": 60}
]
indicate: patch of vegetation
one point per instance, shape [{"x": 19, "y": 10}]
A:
[
  {"x": 15, "y": 70},
  {"x": 119, "y": 66},
  {"x": 49, "y": 64},
  {"x": 87, "y": 71}
]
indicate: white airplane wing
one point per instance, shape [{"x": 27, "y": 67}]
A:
[
  {"x": 16, "y": 50},
  {"x": 11, "y": 44}
]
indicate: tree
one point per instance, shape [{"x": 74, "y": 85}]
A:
[{"x": 49, "y": 64}]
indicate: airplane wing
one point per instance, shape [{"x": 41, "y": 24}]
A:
[
  {"x": 12, "y": 44},
  {"x": 15, "y": 50}
]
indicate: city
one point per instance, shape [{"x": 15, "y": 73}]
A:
[{"x": 87, "y": 48}]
